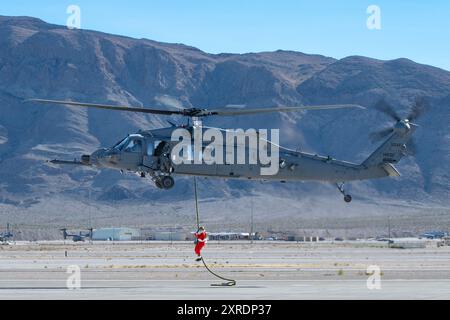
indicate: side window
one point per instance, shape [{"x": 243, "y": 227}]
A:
[
  {"x": 150, "y": 148},
  {"x": 134, "y": 146}
]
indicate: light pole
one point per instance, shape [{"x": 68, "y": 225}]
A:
[
  {"x": 389, "y": 231},
  {"x": 251, "y": 221}
]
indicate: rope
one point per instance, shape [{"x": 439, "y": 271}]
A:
[
  {"x": 230, "y": 282},
  {"x": 196, "y": 202}
]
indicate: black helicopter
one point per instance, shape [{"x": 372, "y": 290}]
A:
[{"x": 151, "y": 152}]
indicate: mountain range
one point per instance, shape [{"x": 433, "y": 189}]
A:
[{"x": 41, "y": 60}]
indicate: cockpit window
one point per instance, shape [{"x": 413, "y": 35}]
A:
[
  {"x": 150, "y": 148},
  {"x": 134, "y": 145},
  {"x": 130, "y": 143},
  {"x": 119, "y": 145}
]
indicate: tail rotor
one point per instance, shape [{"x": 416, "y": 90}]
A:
[{"x": 417, "y": 110}]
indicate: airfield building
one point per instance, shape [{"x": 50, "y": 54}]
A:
[
  {"x": 169, "y": 236},
  {"x": 115, "y": 234}
]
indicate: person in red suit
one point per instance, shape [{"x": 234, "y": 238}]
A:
[{"x": 201, "y": 238}]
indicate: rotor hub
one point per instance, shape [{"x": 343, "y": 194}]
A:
[
  {"x": 402, "y": 126},
  {"x": 195, "y": 112}
]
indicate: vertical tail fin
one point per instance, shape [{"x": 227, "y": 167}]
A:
[
  {"x": 64, "y": 231},
  {"x": 393, "y": 149}
]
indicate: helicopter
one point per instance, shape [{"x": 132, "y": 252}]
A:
[{"x": 150, "y": 152}]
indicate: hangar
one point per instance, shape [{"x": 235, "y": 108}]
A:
[{"x": 115, "y": 234}]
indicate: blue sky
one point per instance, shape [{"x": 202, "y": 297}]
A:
[{"x": 418, "y": 30}]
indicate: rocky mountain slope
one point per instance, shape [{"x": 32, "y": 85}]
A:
[{"x": 49, "y": 61}]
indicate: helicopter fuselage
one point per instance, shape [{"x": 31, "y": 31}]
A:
[{"x": 149, "y": 153}]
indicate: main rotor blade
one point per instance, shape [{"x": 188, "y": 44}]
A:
[
  {"x": 107, "y": 107},
  {"x": 195, "y": 112},
  {"x": 240, "y": 112},
  {"x": 387, "y": 109}
]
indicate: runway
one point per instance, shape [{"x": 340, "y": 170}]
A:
[{"x": 264, "y": 270}]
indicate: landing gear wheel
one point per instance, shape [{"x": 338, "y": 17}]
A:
[
  {"x": 347, "y": 197},
  {"x": 167, "y": 182}
]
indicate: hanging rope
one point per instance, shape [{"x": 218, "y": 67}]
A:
[
  {"x": 196, "y": 202},
  {"x": 230, "y": 282}
]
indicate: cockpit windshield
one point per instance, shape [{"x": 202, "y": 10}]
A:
[
  {"x": 119, "y": 145},
  {"x": 132, "y": 143}
]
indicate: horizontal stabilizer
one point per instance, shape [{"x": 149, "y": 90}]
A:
[{"x": 391, "y": 170}]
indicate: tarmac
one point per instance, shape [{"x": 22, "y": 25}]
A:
[{"x": 262, "y": 270}]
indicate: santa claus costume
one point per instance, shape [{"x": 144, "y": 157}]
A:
[{"x": 201, "y": 237}]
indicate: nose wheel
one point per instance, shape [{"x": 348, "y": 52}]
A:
[
  {"x": 347, "y": 197},
  {"x": 167, "y": 182},
  {"x": 164, "y": 182}
]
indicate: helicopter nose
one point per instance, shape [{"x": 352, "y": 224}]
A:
[{"x": 95, "y": 158}]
